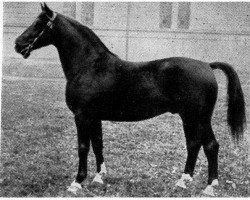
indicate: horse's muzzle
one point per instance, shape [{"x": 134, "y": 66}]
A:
[
  {"x": 18, "y": 48},
  {"x": 24, "y": 50}
]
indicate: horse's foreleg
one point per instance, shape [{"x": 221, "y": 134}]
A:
[
  {"x": 97, "y": 144},
  {"x": 85, "y": 127}
]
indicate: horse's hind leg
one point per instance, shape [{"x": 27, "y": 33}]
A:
[
  {"x": 198, "y": 131},
  {"x": 97, "y": 144},
  {"x": 193, "y": 142},
  {"x": 211, "y": 148}
]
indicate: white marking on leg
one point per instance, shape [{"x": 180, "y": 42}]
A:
[
  {"x": 98, "y": 176},
  {"x": 74, "y": 187},
  {"x": 215, "y": 182},
  {"x": 210, "y": 188},
  {"x": 103, "y": 169},
  {"x": 181, "y": 182}
]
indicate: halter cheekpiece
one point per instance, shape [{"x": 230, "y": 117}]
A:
[{"x": 49, "y": 24}]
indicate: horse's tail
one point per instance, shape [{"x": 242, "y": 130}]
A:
[{"x": 236, "y": 116}]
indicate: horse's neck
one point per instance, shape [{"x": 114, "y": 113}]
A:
[{"x": 75, "y": 51}]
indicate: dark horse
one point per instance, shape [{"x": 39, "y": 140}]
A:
[{"x": 101, "y": 86}]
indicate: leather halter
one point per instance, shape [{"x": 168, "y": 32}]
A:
[{"x": 49, "y": 25}]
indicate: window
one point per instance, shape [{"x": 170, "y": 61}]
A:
[
  {"x": 184, "y": 15},
  {"x": 165, "y": 14},
  {"x": 174, "y": 15}
]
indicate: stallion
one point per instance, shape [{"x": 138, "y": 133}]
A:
[{"x": 101, "y": 86}]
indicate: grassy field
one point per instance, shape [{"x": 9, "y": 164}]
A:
[{"x": 39, "y": 148}]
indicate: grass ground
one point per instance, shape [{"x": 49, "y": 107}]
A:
[{"x": 39, "y": 148}]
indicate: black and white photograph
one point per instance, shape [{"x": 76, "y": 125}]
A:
[{"x": 125, "y": 99}]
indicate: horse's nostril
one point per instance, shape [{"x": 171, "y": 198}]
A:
[
  {"x": 17, "y": 48},
  {"x": 17, "y": 41}
]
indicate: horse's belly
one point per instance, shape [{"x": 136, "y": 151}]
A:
[
  {"x": 129, "y": 117},
  {"x": 137, "y": 112}
]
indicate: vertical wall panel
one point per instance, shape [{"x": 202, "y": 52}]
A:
[
  {"x": 165, "y": 14},
  {"x": 69, "y": 9},
  {"x": 85, "y": 13},
  {"x": 184, "y": 15}
]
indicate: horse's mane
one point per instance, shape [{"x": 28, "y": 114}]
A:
[{"x": 88, "y": 33}]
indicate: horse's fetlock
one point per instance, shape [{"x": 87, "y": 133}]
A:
[{"x": 81, "y": 176}]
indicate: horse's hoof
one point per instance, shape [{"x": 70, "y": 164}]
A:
[
  {"x": 99, "y": 176},
  {"x": 210, "y": 188},
  {"x": 74, "y": 187},
  {"x": 181, "y": 182},
  {"x": 215, "y": 182},
  {"x": 98, "y": 179},
  {"x": 209, "y": 191}
]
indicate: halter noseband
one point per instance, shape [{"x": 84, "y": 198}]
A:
[{"x": 49, "y": 25}]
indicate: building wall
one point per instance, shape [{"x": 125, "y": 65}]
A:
[{"x": 139, "y": 31}]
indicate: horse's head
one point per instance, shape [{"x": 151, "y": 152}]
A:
[{"x": 39, "y": 34}]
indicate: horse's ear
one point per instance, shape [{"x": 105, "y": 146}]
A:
[
  {"x": 47, "y": 10},
  {"x": 42, "y": 6}
]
